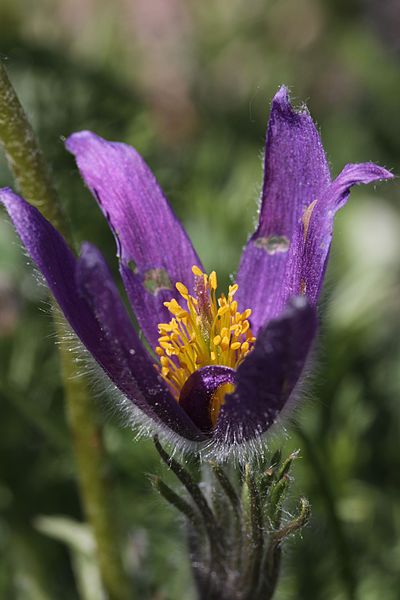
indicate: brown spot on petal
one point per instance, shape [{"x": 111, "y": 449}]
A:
[
  {"x": 273, "y": 244},
  {"x": 156, "y": 280},
  {"x": 307, "y": 216},
  {"x": 303, "y": 287}
]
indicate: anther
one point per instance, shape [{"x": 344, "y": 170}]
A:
[
  {"x": 225, "y": 343},
  {"x": 233, "y": 289},
  {"x": 217, "y": 340},
  {"x": 196, "y": 271},
  {"x": 234, "y": 306},
  {"x": 182, "y": 289},
  {"x": 213, "y": 280}
]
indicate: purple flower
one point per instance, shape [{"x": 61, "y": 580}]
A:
[{"x": 219, "y": 371}]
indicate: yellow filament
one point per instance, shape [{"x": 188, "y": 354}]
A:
[{"x": 208, "y": 331}]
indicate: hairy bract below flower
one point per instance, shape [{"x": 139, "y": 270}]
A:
[{"x": 221, "y": 368}]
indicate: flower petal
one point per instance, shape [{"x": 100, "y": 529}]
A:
[
  {"x": 56, "y": 262},
  {"x": 308, "y": 266},
  {"x": 267, "y": 377},
  {"x": 295, "y": 173},
  {"x": 153, "y": 248},
  {"x": 102, "y": 325}
]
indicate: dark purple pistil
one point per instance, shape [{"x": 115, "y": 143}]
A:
[{"x": 197, "y": 393}]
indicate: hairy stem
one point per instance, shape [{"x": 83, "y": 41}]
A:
[
  {"x": 227, "y": 487},
  {"x": 234, "y": 500},
  {"x": 274, "y": 552},
  {"x": 24, "y": 156},
  {"x": 213, "y": 531},
  {"x": 179, "y": 503},
  {"x": 34, "y": 181},
  {"x": 191, "y": 486},
  {"x": 257, "y": 532}
]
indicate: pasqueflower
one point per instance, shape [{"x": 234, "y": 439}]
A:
[{"x": 218, "y": 369}]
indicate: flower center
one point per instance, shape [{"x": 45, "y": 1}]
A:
[{"x": 209, "y": 331}]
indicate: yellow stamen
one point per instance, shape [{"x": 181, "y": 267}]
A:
[
  {"x": 205, "y": 330},
  {"x": 233, "y": 289},
  {"x": 196, "y": 271},
  {"x": 213, "y": 280},
  {"x": 182, "y": 289},
  {"x": 225, "y": 343},
  {"x": 223, "y": 310},
  {"x": 245, "y": 346}
]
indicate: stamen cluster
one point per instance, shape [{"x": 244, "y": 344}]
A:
[{"x": 209, "y": 331}]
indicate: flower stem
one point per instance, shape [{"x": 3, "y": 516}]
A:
[
  {"x": 24, "y": 156},
  {"x": 176, "y": 501},
  {"x": 274, "y": 551},
  {"x": 210, "y": 524},
  {"x": 34, "y": 181},
  {"x": 256, "y": 522},
  {"x": 216, "y": 572},
  {"x": 227, "y": 487}
]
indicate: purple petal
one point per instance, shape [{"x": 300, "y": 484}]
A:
[
  {"x": 101, "y": 329},
  {"x": 267, "y": 377},
  {"x": 154, "y": 249},
  {"x": 295, "y": 173},
  {"x": 197, "y": 394},
  {"x": 56, "y": 262},
  {"x": 315, "y": 235}
]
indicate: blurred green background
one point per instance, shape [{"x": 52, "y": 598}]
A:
[{"x": 188, "y": 83}]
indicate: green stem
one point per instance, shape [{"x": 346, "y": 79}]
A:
[
  {"x": 257, "y": 531},
  {"x": 24, "y": 156},
  {"x": 179, "y": 503},
  {"x": 33, "y": 179},
  {"x": 227, "y": 487},
  {"x": 216, "y": 572},
  {"x": 274, "y": 552},
  {"x": 234, "y": 500},
  {"x": 210, "y": 524}
]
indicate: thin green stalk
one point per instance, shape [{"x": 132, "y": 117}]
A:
[
  {"x": 276, "y": 498},
  {"x": 257, "y": 531},
  {"x": 287, "y": 464},
  {"x": 272, "y": 561},
  {"x": 179, "y": 503},
  {"x": 33, "y": 179},
  {"x": 213, "y": 531},
  {"x": 227, "y": 487},
  {"x": 24, "y": 156},
  {"x": 234, "y": 500},
  {"x": 210, "y": 524}
]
